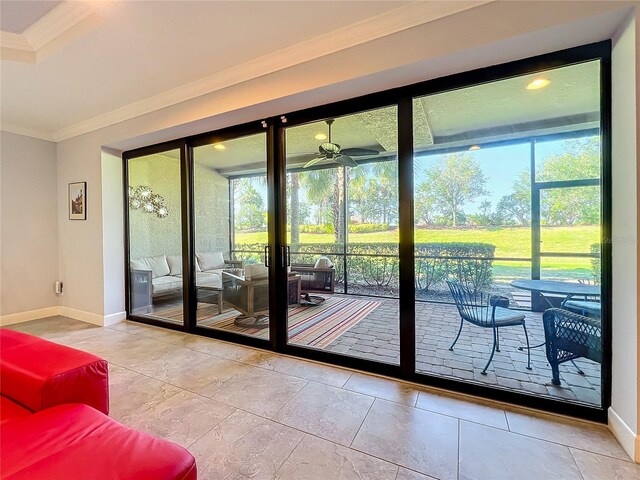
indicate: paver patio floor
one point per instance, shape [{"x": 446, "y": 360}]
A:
[{"x": 376, "y": 337}]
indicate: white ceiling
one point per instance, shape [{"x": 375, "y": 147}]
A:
[{"x": 144, "y": 49}]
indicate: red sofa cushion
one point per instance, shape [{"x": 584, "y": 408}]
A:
[
  {"x": 10, "y": 410},
  {"x": 76, "y": 441},
  {"x": 38, "y": 374}
]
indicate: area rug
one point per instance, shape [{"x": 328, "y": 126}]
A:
[{"x": 311, "y": 326}]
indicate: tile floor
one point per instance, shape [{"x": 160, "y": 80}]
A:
[{"x": 250, "y": 414}]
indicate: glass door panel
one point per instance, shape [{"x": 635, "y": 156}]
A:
[
  {"x": 484, "y": 221},
  {"x": 231, "y": 235},
  {"x": 155, "y": 237},
  {"x": 342, "y": 224}
]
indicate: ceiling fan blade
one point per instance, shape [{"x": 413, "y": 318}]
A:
[
  {"x": 311, "y": 163},
  {"x": 345, "y": 160},
  {"x": 359, "y": 152}
]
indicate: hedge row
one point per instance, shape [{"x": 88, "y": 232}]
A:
[
  {"x": 376, "y": 264},
  {"x": 355, "y": 228}
]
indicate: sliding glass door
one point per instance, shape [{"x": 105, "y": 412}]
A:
[
  {"x": 155, "y": 228},
  {"x": 508, "y": 214},
  {"x": 342, "y": 231},
  {"x": 231, "y": 225}
]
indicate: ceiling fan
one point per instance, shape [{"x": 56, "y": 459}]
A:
[{"x": 333, "y": 151}]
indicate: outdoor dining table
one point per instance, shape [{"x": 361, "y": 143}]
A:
[
  {"x": 568, "y": 289},
  {"x": 555, "y": 287}
]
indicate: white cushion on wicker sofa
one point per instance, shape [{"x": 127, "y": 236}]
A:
[
  {"x": 165, "y": 284},
  {"x": 166, "y": 271},
  {"x": 210, "y": 261},
  {"x": 157, "y": 264}
]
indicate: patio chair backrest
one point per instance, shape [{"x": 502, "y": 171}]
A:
[{"x": 474, "y": 307}]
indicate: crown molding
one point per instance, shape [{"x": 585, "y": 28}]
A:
[
  {"x": 27, "y": 132},
  {"x": 65, "y": 23},
  {"x": 390, "y": 22}
]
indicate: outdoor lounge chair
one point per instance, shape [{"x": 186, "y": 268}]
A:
[
  {"x": 570, "y": 335},
  {"x": 486, "y": 311}
]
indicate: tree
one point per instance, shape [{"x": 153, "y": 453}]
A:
[
  {"x": 455, "y": 180},
  {"x": 385, "y": 190},
  {"x": 249, "y": 206},
  {"x": 516, "y": 207},
  {"x": 323, "y": 184},
  {"x": 294, "y": 210},
  {"x": 425, "y": 204},
  {"x": 576, "y": 205}
]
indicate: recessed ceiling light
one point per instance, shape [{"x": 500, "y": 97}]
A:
[
  {"x": 219, "y": 146},
  {"x": 320, "y": 136},
  {"x": 538, "y": 83},
  {"x": 474, "y": 147}
]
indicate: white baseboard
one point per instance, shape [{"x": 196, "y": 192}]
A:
[
  {"x": 27, "y": 316},
  {"x": 83, "y": 316},
  {"x": 92, "y": 318},
  {"x": 114, "y": 318},
  {"x": 624, "y": 434}
]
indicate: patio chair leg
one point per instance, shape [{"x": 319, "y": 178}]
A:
[
  {"x": 497, "y": 339},
  {"x": 493, "y": 351},
  {"x": 458, "y": 335},
  {"x": 555, "y": 373},
  {"x": 526, "y": 336},
  {"x": 577, "y": 368}
]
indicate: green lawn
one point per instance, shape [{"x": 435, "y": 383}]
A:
[{"x": 509, "y": 242}]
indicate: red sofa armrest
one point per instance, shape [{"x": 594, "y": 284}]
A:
[{"x": 39, "y": 374}]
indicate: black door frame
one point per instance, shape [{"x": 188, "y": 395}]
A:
[{"x": 276, "y": 178}]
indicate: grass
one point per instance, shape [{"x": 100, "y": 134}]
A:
[{"x": 509, "y": 242}]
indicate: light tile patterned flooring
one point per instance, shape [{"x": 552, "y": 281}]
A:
[{"x": 250, "y": 414}]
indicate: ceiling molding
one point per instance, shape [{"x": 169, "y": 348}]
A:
[
  {"x": 382, "y": 25},
  {"x": 65, "y": 23},
  {"x": 27, "y": 132}
]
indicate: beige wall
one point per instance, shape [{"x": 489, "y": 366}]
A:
[
  {"x": 624, "y": 244},
  {"x": 28, "y": 232}
]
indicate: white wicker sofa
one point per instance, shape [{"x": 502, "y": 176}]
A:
[{"x": 162, "y": 275}]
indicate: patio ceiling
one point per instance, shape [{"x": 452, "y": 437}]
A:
[{"x": 503, "y": 110}]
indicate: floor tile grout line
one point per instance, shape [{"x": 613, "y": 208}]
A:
[
  {"x": 459, "y": 452},
  {"x": 288, "y": 402},
  {"x": 549, "y": 441},
  {"x": 212, "y": 427},
  {"x": 289, "y": 456},
  {"x": 362, "y": 423},
  {"x": 575, "y": 462}
]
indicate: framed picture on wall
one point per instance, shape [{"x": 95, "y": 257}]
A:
[{"x": 78, "y": 201}]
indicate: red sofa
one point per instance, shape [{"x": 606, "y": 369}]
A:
[{"x": 53, "y": 423}]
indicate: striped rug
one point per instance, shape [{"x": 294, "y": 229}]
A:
[{"x": 313, "y": 326}]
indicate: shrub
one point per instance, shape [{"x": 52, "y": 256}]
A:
[
  {"x": 377, "y": 264},
  {"x": 368, "y": 227},
  {"x": 326, "y": 228}
]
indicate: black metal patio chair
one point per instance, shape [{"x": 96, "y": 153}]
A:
[
  {"x": 486, "y": 311},
  {"x": 570, "y": 335}
]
